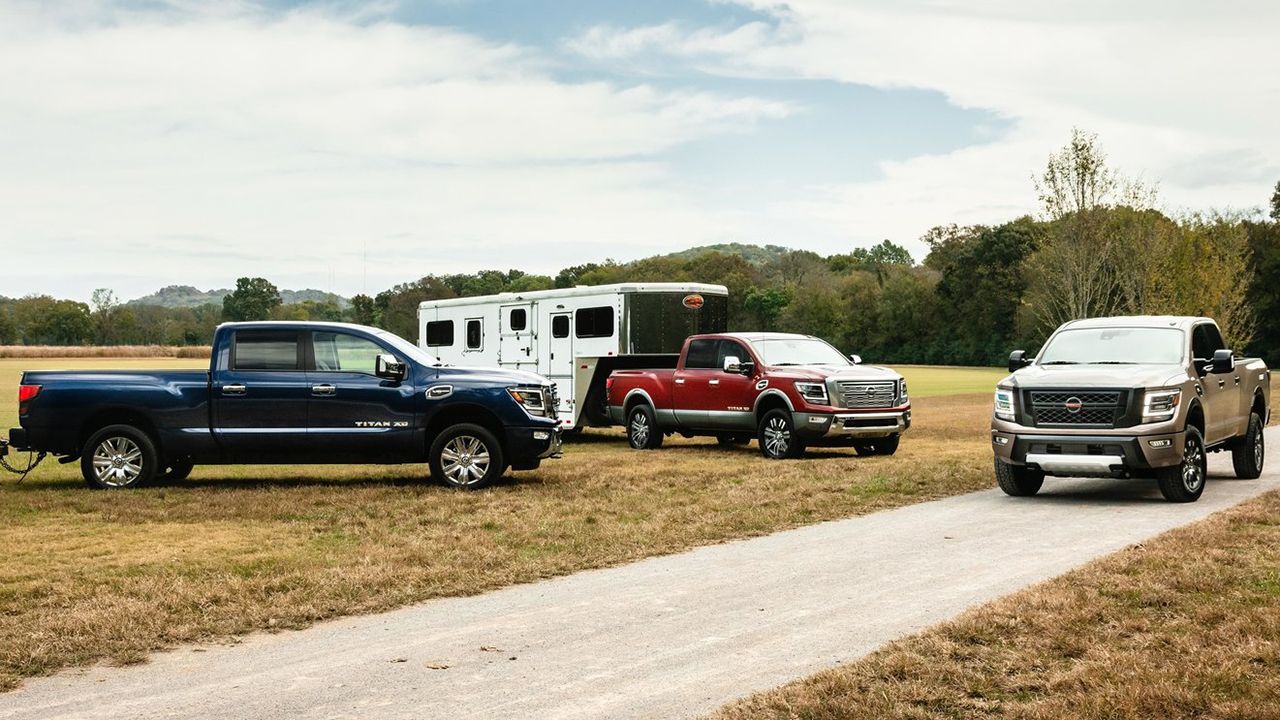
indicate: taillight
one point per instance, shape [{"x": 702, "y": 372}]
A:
[
  {"x": 608, "y": 383},
  {"x": 27, "y": 392}
]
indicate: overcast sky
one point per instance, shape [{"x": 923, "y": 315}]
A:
[{"x": 144, "y": 144}]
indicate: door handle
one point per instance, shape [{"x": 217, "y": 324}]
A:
[
  {"x": 1237, "y": 379},
  {"x": 324, "y": 390},
  {"x": 233, "y": 389},
  {"x": 1222, "y": 383},
  {"x": 679, "y": 381},
  {"x": 713, "y": 382}
]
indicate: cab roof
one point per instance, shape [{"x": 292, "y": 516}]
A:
[{"x": 1182, "y": 322}]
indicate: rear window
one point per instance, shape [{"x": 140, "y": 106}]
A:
[
  {"x": 519, "y": 319},
  {"x": 560, "y": 326},
  {"x": 266, "y": 350},
  {"x": 440, "y": 333},
  {"x": 702, "y": 355},
  {"x": 594, "y": 322}
]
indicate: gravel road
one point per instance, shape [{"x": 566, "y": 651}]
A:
[{"x": 666, "y": 637}]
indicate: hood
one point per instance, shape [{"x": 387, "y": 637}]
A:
[
  {"x": 1085, "y": 376},
  {"x": 497, "y": 376},
  {"x": 834, "y": 372}
]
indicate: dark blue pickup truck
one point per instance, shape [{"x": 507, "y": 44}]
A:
[{"x": 292, "y": 392}]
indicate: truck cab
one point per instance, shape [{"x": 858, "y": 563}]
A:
[{"x": 1130, "y": 397}]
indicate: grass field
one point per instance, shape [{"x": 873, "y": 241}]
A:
[
  {"x": 1186, "y": 625},
  {"x": 88, "y": 576}
]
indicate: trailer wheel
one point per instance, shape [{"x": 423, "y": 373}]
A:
[
  {"x": 777, "y": 436},
  {"x": 467, "y": 457},
  {"x": 1249, "y": 451},
  {"x": 118, "y": 457},
  {"x": 643, "y": 432}
]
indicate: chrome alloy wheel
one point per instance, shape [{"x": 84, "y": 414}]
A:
[
  {"x": 117, "y": 462},
  {"x": 640, "y": 429},
  {"x": 1193, "y": 465},
  {"x": 777, "y": 437},
  {"x": 465, "y": 460},
  {"x": 1258, "y": 448}
]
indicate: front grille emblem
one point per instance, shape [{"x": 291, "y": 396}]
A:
[{"x": 1073, "y": 405}]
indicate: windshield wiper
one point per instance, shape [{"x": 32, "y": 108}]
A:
[
  {"x": 786, "y": 364},
  {"x": 1114, "y": 362},
  {"x": 1060, "y": 362}
]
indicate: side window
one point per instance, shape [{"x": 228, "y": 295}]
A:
[
  {"x": 475, "y": 335},
  {"x": 560, "y": 326},
  {"x": 440, "y": 333},
  {"x": 1215, "y": 338},
  {"x": 702, "y": 355},
  {"x": 594, "y": 322},
  {"x": 1202, "y": 342},
  {"x": 519, "y": 319},
  {"x": 340, "y": 352},
  {"x": 730, "y": 347},
  {"x": 266, "y": 350}
]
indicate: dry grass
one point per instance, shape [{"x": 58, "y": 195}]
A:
[
  {"x": 1184, "y": 626},
  {"x": 88, "y": 576},
  {"x": 104, "y": 351}
]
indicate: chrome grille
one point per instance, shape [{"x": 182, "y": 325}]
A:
[
  {"x": 880, "y": 394},
  {"x": 1093, "y": 408}
]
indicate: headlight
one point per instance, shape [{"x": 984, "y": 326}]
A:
[
  {"x": 1004, "y": 404},
  {"x": 813, "y": 392},
  {"x": 903, "y": 395},
  {"x": 1160, "y": 404},
  {"x": 531, "y": 399}
]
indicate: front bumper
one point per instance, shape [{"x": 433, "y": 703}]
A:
[
  {"x": 1091, "y": 455},
  {"x": 836, "y": 428},
  {"x": 527, "y": 447}
]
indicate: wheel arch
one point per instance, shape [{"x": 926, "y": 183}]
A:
[
  {"x": 771, "y": 399},
  {"x": 117, "y": 416},
  {"x": 461, "y": 413},
  {"x": 1195, "y": 416},
  {"x": 633, "y": 398}
]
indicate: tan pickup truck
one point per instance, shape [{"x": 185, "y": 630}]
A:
[{"x": 1130, "y": 397}]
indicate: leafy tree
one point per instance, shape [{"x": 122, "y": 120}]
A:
[
  {"x": 397, "y": 308},
  {"x": 253, "y": 299},
  {"x": 362, "y": 310},
  {"x": 572, "y": 276},
  {"x": 764, "y": 305},
  {"x": 1275, "y": 203}
]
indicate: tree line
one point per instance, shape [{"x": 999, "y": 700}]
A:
[{"x": 1100, "y": 246}]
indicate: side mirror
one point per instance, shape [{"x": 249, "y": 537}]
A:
[
  {"x": 1223, "y": 361},
  {"x": 389, "y": 368},
  {"x": 1018, "y": 360},
  {"x": 856, "y": 358},
  {"x": 732, "y": 364}
]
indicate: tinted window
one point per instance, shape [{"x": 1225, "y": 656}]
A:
[
  {"x": 519, "y": 319},
  {"x": 560, "y": 326},
  {"x": 266, "y": 350},
  {"x": 340, "y": 352},
  {"x": 1205, "y": 340},
  {"x": 594, "y": 322},
  {"x": 474, "y": 335},
  {"x": 702, "y": 354},
  {"x": 730, "y": 348},
  {"x": 440, "y": 333}
]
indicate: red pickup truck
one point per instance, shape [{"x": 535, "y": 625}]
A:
[{"x": 788, "y": 391}]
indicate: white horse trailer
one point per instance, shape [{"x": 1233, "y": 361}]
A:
[{"x": 574, "y": 336}]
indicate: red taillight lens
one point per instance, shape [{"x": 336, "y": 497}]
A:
[
  {"x": 26, "y": 392},
  {"x": 608, "y": 383}
]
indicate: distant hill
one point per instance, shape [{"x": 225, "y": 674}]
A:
[
  {"x": 179, "y": 296},
  {"x": 755, "y": 254}
]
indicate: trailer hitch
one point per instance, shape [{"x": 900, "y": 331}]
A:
[{"x": 33, "y": 459}]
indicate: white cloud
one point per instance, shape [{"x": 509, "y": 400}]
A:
[
  {"x": 1185, "y": 94},
  {"x": 143, "y": 148}
]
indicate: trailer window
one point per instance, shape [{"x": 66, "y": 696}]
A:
[
  {"x": 594, "y": 322},
  {"x": 475, "y": 335},
  {"x": 560, "y": 326},
  {"x": 440, "y": 333},
  {"x": 519, "y": 319},
  {"x": 266, "y": 350},
  {"x": 702, "y": 355}
]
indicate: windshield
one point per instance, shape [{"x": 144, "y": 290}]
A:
[
  {"x": 798, "y": 351},
  {"x": 408, "y": 348},
  {"x": 1114, "y": 346}
]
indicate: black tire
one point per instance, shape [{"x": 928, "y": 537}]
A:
[
  {"x": 1184, "y": 482},
  {"x": 1249, "y": 452},
  {"x": 865, "y": 449},
  {"x": 777, "y": 436},
  {"x": 467, "y": 457},
  {"x": 886, "y": 446},
  {"x": 643, "y": 432},
  {"x": 1018, "y": 480},
  {"x": 178, "y": 470},
  {"x": 118, "y": 457},
  {"x": 733, "y": 440}
]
